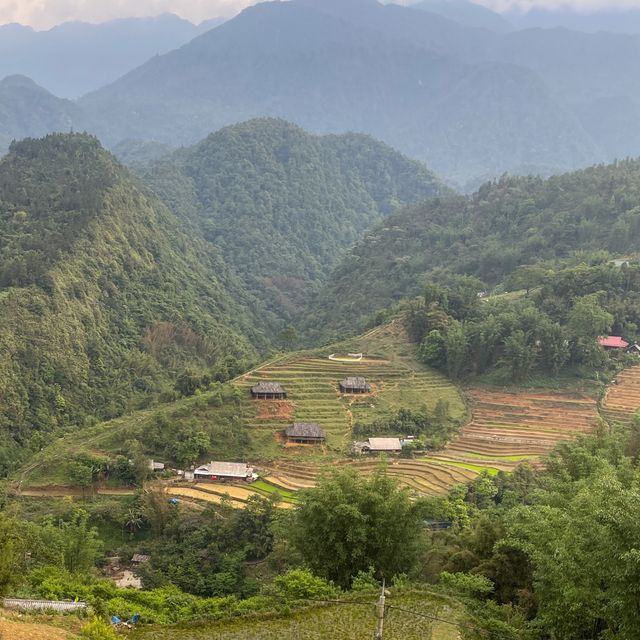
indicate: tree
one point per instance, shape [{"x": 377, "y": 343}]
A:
[
  {"x": 586, "y": 559},
  {"x": 457, "y": 347},
  {"x": 433, "y": 350},
  {"x": 12, "y": 554},
  {"x": 519, "y": 355},
  {"x": 81, "y": 543},
  {"x": 588, "y": 319},
  {"x": 288, "y": 338},
  {"x": 350, "y": 523}
]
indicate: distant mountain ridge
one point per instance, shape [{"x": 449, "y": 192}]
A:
[
  {"x": 74, "y": 58},
  {"x": 390, "y": 71},
  {"x": 470, "y": 102},
  {"x": 28, "y": 110}
]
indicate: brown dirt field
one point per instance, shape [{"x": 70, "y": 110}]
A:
[
  {"x": 12, "y": 630},
  {"x": 622, "y": 398},
  {"x": 521, "y": 423},
  {"x": 199, "y": 495},
  {"x": 63, "y": 492},
  {"x": 274, "y": 409},
  {"x": 236, "y": 500}
]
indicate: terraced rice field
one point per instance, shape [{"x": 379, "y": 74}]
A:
[
  {"x": 311, "y": 383},
  {"x": 622, "y": 398},
  {"x": 508, "y": 428},
  {"x": 237, "y": 496}
]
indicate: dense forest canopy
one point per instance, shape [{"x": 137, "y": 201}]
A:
[
  {"x": 105, "y": 297},
  {"x": 551, "y": 328},
  {"x": 282, "y": 206},
  {"x": 507, "y": 223}
]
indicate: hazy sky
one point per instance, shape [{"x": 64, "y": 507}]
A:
[{"x": 43, "y": 14}]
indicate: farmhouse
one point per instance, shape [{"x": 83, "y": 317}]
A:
[
  {"x": 268, "y": 391},
  {"x": 305, "y": 432},
  {"x": 381, "y": 445},
  {"x": 139, "y": 558},
  {"x": 612, "y": 342},
  {"x": 355, "y": 384},
  {"x": 225, "y": 471}
]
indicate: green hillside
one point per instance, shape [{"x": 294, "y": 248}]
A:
[
  {"x": 283, "y": 205},
  {"x": 225, "y": 423},
  {"x": 507, "y": 223},
  {"x": 105, "y": 297}
]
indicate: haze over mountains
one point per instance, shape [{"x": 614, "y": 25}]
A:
[
  {"x": 76, "y": 57},
  {"x": 470, "y": 102}
]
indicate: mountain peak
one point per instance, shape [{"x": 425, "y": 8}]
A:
[{"x": 18, "y": 81}]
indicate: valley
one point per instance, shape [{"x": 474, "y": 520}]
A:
[{"x": 263, "y": 375}]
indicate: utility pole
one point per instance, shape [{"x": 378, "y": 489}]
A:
[{"x": 380, "y": 614}]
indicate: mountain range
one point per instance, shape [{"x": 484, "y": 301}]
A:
[
  {"x": 470, "y": 102},
  {"x": 74, "y": 58}
]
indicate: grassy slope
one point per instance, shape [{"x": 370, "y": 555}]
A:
[{"x": 237, "y": 433}]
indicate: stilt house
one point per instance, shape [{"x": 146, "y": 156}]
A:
[
  {"x": 268, "y": 391},
  {"x": 305, "y": 433},
  {"x": 355, "y": 384}
]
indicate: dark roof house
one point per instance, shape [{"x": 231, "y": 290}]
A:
[
  {"x": 305, "y": 432},
  {"x": 268, "y": 391},
  {"x": 355, "y": 384}
]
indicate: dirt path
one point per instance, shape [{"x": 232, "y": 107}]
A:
[{"x": 11, "y": 630}]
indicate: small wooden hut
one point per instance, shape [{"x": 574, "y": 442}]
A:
[
  {"x": 305, "y": 433},
  {"x": 268, "y": 391},
  {"x": 355, "y": 384}
]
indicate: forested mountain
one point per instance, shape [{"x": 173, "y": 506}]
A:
[
  {"x": 283, "y": 205},
  {"x": 615, "y": 20},
  {"x": 106, "y": 299},
  {"x": 74, "y": 58},
  {"x": 506, "y": 223},
  {"x": 29, "y": 110},
  {"x": 407, "y": 76},
  {"x": 471, "y": 102},
  {"x": 467, "y": 13}
]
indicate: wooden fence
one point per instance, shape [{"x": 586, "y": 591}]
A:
[{"x": 39, "y": 605}]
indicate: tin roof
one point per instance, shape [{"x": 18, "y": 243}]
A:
[
  {"x": 613, "y": 342},
  {"x": 228, "y": 469},
  {"x": 384, "y": 444}
]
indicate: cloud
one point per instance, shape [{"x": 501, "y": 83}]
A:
[
  {"x": 584, "y": 6},
  {"x": 43, "y": 14}
]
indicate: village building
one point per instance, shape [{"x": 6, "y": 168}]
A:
[
  {"x": 268, "y": 391},
  {"x": 380, "y": 445},
  {"x": 612, "y": 342},
  {"x": 156, "y": 466},
  {"x": 634, "y": 349},
  {"x": 355, "y": 384},
  {"x": 139, "y": 558},
  {"x": 305, "y": 433},
  {"x": 225, "y": 471}
]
